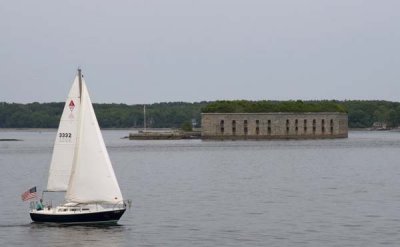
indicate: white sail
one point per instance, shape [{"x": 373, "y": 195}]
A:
[
  {"x": 92, "y": 177},
  {"x": 64, "y": 146}
]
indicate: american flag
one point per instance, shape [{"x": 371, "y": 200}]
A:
[{"x": 29, "y": 194}]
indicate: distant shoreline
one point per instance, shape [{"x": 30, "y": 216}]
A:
[
  {"x": 10, "y": 140},
  {"x": 149, "y": 129}
]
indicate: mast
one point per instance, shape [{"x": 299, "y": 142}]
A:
[
  {"x": 80, "y": 83},
  {"x": 78, "y": 132}
]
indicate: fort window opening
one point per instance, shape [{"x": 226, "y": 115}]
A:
[
  {"x": 287, "y": 126},
  {"x": 257, "y": 130},
  {"x": 305, "y": 125},
  {"x": 314, "y": 127}
]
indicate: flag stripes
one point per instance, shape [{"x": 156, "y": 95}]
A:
[{"x": 29, "y": 194}]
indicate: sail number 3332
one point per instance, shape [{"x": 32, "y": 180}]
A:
[{"x": 64, "y": 135}]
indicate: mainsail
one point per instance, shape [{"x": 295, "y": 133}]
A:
[
  {"x": 64, "y": 146},
  {"x": 92, "y": 176}
]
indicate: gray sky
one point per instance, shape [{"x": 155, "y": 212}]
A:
[{"x": 180, "y": 50}]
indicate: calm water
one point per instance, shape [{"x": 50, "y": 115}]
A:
[{"x": 245, "y": 193}]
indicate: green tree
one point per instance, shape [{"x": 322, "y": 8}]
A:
[{"x": 186, "y": 126}]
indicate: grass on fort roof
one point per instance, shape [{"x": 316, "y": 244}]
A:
[{"x": 245, "y": 106}]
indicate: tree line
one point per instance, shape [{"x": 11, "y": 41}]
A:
[
  {"x": 362, "y": 114},
  {"x": 47, "y": 115}
]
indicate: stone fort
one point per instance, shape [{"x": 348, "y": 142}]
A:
[{"x": 278, "y": 125}]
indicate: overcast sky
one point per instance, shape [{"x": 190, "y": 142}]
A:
[{"x": 181, "y": 50}]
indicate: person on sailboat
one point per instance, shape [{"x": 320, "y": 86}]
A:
[{"x": 39, "y": 205}]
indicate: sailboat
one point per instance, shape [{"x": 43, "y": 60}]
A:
[{"x": 81, "y": 167}]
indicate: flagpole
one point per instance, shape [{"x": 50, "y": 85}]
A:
[{"x": 144, "y": 117}]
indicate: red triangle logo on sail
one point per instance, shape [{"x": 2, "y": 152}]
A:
[{"x": 71, "y": 105}]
